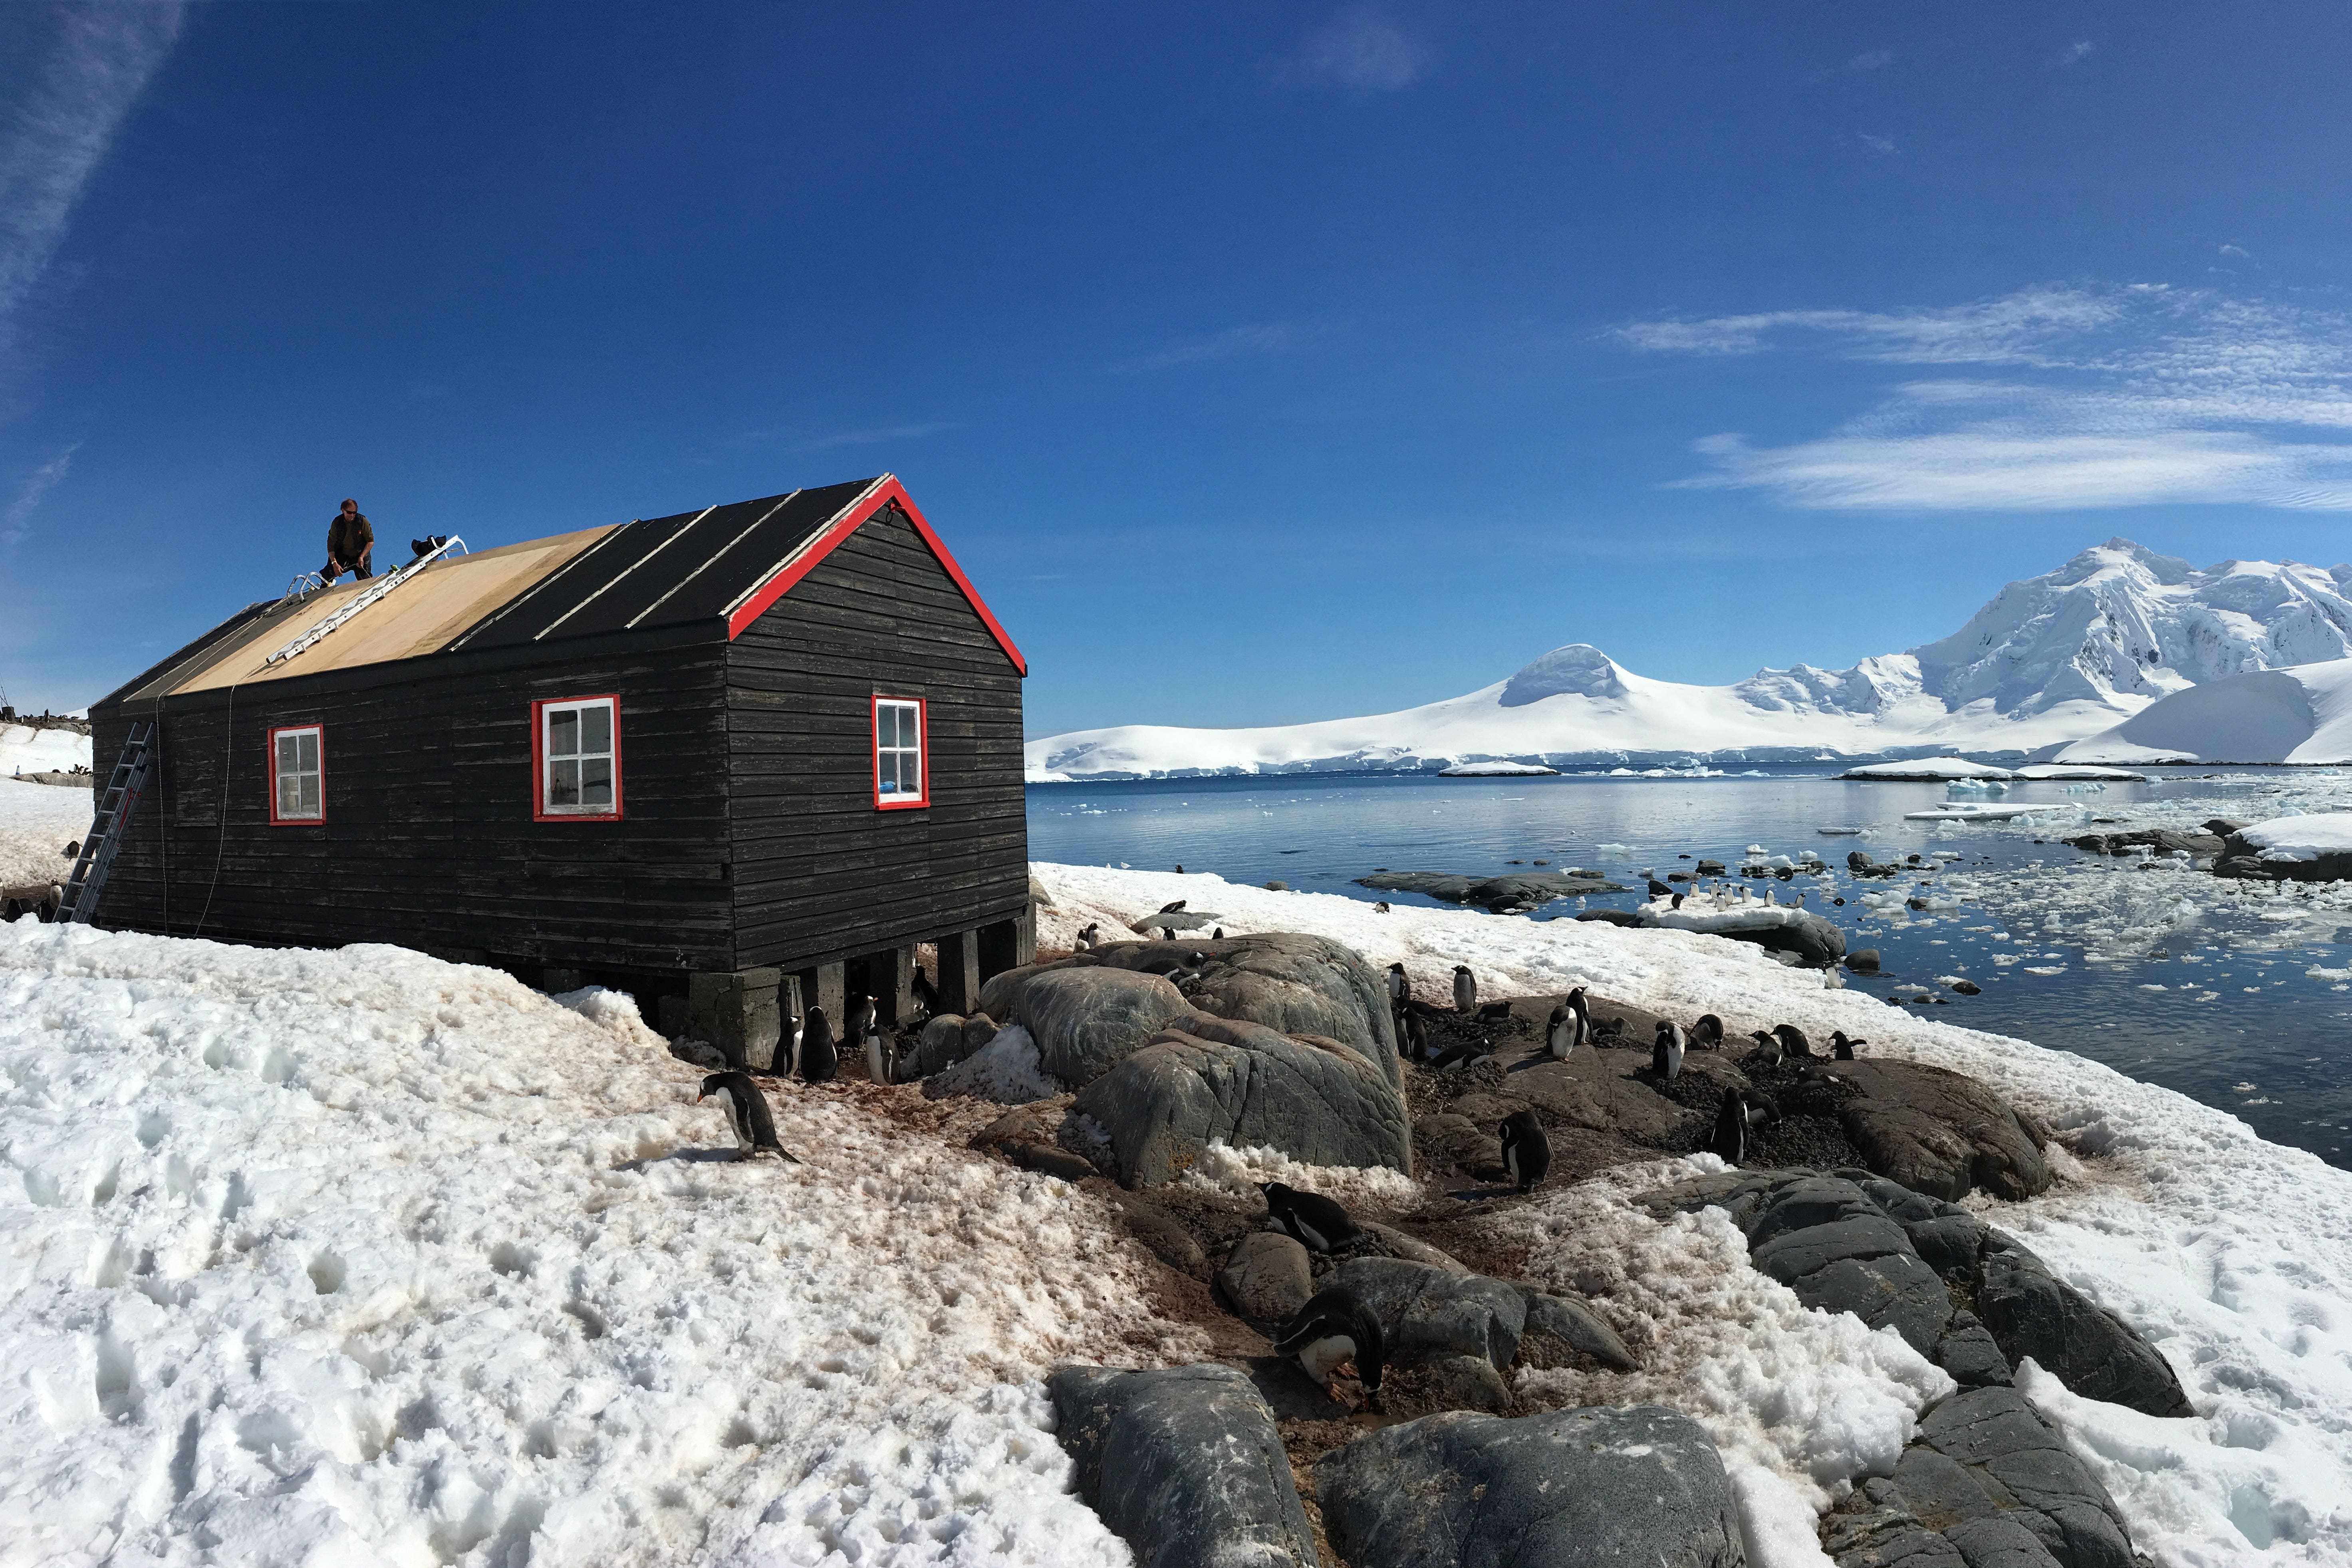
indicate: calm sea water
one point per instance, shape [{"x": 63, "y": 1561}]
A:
[{"x": 2238, "y": 996}]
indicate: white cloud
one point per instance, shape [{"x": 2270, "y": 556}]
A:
[
  {"x": 1881, "y": 144},
  {"x": 1263, "y": 338},
  {"x": 17, "y": 521},
  {"x": 2075, "y": 51},
  {"x": 1362, "y": 48},
  {"x": 72, "y": 74},
  {"x": 2112, "y": 397},
  {"x": 1875, "y": 60}
]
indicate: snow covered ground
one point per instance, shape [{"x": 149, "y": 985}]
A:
[
  {"x": 2234, "y": 1256},
  {"x": 359, "y": 1257},
  {"x": 36, "y": 822},
  {"x": 25, "y": 749},
  {"x": 2301, "y": 714}
]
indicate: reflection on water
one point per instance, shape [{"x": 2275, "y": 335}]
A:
[{"x": 2237, "y": 995}]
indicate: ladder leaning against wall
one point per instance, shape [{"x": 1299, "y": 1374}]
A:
[{"x": 115, "y": 804}]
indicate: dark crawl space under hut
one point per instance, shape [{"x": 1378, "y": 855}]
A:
[{"x": 734, "y": 760}]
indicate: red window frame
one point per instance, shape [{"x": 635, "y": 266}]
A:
[
  {"x": 274, "y": 819},
  {"x": 539, "y": 807},
  {"x": 922, "y": 749}
]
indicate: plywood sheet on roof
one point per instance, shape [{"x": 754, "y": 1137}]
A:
[{"x": 420, "y": 616}]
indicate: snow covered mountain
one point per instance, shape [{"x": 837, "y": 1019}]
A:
[
  {"x": 2050, "y": 660},
  {"x": 2302, "y": 714}
]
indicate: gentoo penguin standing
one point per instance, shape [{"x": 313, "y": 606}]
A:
[
  {"x": 1730, "y": 1139},
  {"x": 1706, "y": 1035},
  {"x": 1218, "y": 934},
  {"x": 1843, "y": 1048},
  {"x": 1310, "y": 1219},
  {"x": 819, "y": 1062},
  {"x": 1466, "y": 988},
  {"x": 1667, "y": 1054},
  {"x": 1336, "y": 1332},
  {"x": 861, "y": 1016},
  {"x": 1527, "y": 1153},
  {"x": 1793, "y": 1041},
  {"x": 788, "y": 1047},
  {"x": 1091, "y": 935},
  {"x": 1562, "y": 1030},
  {"x": 747, "y": 1113},
  {"x": 1398, "y": 987},
  {"x": 1766, "y": 1051},
  {"x": 927, "y": 995},
  {"x": 878, "y": 1052},
  {"x": 1416, "y": 1037}
]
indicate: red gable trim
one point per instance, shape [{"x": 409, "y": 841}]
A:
[{"x": 862, "y": 511}]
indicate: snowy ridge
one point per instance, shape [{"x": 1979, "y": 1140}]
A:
[
  {"x": 2301, "y": 714},
  {"x": 2048, "y": 660},
  {"x": 25, "y": 749}
]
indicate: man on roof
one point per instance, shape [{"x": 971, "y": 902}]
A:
[{"x": 350, "y": 545}]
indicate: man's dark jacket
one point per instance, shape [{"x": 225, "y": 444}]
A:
[{"x": 349, "y": 537}]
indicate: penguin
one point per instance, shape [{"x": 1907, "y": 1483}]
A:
[
  {"x": 1730, "y": 1139},
  {"x": 927, "y": 995},
  {"x": 1175, "y": 909},
  {"x": 1466, "y": 988},
  {"x": 820, "y": 1061},
  {"x": 861, "y": 1016},
  {"x": 1463, "y": 1057},
  {"x": 1381, "y": 908},
  {"x": 1843, "y": 1048},
  {"x": 1090, "y": 936},
  {"x": 879, "y": 1050},
  {"x": 1416, "y": 1037},
  {"x": 1562, "y": 1031},
  {"x": 1667, "y": 1054},
  {"x": 1179, "y": 867},
  {"x": 1333, "y": 1333},
  {"x": 1768, "y": 1049},
  {"x": 747, "y": 1114},
  {"x": 1583, "y": 1011},
  {"x": 1218, "y": 934},
  {"x": 1527, "y": 1153},
  {"x": 1706, "y": 1035},
  {"x": 1495, "y": 1013},
  {"x": 1793, "y": 1041},
  {"x": 1398, "y": 987},
  {"x": 1678, "y": 901},
  {"x": 1312, "y": 1220},
  {"x": 788, "y": 1047}
]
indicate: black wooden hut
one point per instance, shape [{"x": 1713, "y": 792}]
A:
[{"x": 741, "y": 757}]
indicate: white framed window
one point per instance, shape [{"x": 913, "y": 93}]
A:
[
  {"x": 576, "y": 756},
  {"x": 297, "y": 774},
  {"x": 902, "y": 760}
]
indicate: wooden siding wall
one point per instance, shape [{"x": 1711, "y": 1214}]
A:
[
  {"x": 820, "y": 874},
  {"x": 429, "y": 839}
]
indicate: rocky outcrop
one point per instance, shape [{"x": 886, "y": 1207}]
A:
[
  {"x": 2030, "y": 1312},
  {"x": 2132, "y": 840},
  {"x": 1267, "y": 1277},
  {"x": 1292, "y": 984},
  {"x": 1207, "y": 1079},
  {"x": 1088, "y": 1020},
  {"x": 2242, "y": 859},
  {"x": 1559, "y": 1329},
  {"x": 1940, "y": 1132},
  {"x": 1183, "y": 1465},
  {"x": 1427, "y": 1311},
  {"x": 1499, "y": 895},
  {"x": 1643, "y": 1485}
]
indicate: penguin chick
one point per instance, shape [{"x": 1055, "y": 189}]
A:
[
  {"x": 1527, "y": 1153},
  {"x": 1730, "y": 1139},
  {"x": 747, "y": 1114},
  {"x": 1335, "y": 1332},
  {"x": 1843, "y": 1048},
  {"x": 1466, "y": 988},
  {"x": 1768, "y": 1049},
  {"x": 820, "y": 1058},
  {"x": 1793, "y": 1041},
  {"x": 1666, "y": 1053},
  {"x": 1312, "y": 1220}
]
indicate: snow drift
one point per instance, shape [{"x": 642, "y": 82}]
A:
[
  {"x": 2301, "y": 714},
  {"x": 2048, "y": 660}
]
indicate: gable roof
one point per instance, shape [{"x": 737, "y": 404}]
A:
[{"x": 724, "y": 564}]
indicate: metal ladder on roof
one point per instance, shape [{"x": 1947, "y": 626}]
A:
[
  {"x": 353, "y": 607},
  {"x": 115, "y": 804}
]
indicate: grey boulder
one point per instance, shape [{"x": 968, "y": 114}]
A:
[
  {"x": 1288, "y": 982},
  {"x": 1086, "y": 1020},
  {"x": 1559, "y": 1329},
  {"x": 1267, "y": 1277},
  {"x": 1183, "y": 1465},
  {"x": 1939, "y": 1131},
  {"x": 1997, "y": 1542},
  {"x": 1426, "y": 1311},
  {"x": 1863, "y": 1265},
  {"x": 2031, "y": 1312},
  {"x": 1635, "y": 1485},
  {"x": 1209, "y": 1079}
]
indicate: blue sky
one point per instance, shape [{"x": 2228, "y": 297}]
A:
[{"x": 1261, "y": 363}]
